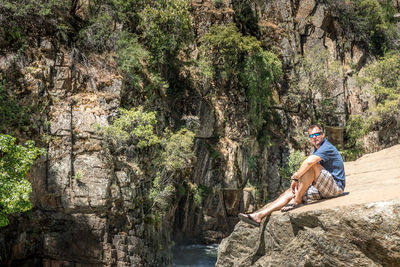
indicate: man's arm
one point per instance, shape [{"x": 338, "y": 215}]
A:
[{"x": 305, "y": 166}]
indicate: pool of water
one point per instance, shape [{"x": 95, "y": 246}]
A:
[{"x": 195, "y": 255}]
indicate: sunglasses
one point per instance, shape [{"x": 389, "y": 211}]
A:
[{"x": 315, "y": 134}]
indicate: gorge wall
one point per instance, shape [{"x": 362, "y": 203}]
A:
[{"x": 87, "y": 198}]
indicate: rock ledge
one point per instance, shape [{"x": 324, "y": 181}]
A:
[{"x": 361, "y": 228}]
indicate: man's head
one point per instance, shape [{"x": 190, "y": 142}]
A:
[{"x": 316, "y": 135}]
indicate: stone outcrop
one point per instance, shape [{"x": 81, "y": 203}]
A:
[
  {"x": 360, "y": 228},
  {"x": 361, "y": 235}
]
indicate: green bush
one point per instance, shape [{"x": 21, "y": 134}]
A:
[
  {"x": 314, "y": 85},
  {"x": 356, "y": 128},
  {"x": 226, "y": 48},
  {"x": 260, "y": 70},
  {"x": 133, "y": 125},
  {"x": 13, "y": 116},
  {"x": 367, "y": 21},
  {"x": 131, "y": 57},
  {"x": 166, "y": 28},
  {"x": 161, "y": 196},
  {"x": 382, "y": 76},
  {"x": 128, "y": 12},
  {"x": 99, "y": 35},
  {"x": 177, "y": 153},
  {"x": 380, "y": 79},
  {"x": 15, "y": 37},
  {"x": 199, "y": 192},
  {"x": 292, "y": 165},
  {"x": 15, "y": 162},
  {"x": 227, "y": 55},
  {"x": 174, "y": 154},
  {"x": 34, "y": 7}
]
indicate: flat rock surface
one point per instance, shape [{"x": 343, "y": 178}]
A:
[{"x": 374, "y": 177}]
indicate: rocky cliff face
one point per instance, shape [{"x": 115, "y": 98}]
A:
[
  {"x": 87, "y": 201},
  {"x": 87, "y": 198}
]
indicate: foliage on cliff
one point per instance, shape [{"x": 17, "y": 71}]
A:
[
  {"x": 368, "y": 21},
  {"x": 382, "y": 77},
  {"x": 293, "y": 163},
  {"x": 238, "y": 60},
  {"x": 134, "y": 126},
  {"x": 173, "y": 152},
  {"x": 314, "y": 86},
  {"x": 15, "y": 162},
  {"x": 13, "y": 116}
]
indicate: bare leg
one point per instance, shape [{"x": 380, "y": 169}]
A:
[
  {"x": 288, "y": 196},
  {"x": 277, "y": 204},
  {"x": 306, "y": 180}
]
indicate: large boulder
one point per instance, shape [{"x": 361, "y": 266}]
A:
[
  {"x": 359, "y": 228},
  {"x": 361, "y": 235}
]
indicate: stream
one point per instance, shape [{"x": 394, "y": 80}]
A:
[{"x": 195, "y": 255}]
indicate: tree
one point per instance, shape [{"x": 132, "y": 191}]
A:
[
  {"x": 15, "y": 162},
  {"x": 316, "y": 86}
]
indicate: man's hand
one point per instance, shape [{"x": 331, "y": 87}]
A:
[{"x": 293, "y": 186}]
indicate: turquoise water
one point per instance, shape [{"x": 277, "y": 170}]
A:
[{"x": 195, "y": 255}]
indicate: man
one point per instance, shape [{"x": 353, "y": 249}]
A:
[{"x": 321, "y": 175}]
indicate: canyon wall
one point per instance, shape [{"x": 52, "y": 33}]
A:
[{"x": 87, "y": 197}]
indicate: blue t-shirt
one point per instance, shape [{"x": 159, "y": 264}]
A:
[{"x": 332, "y": 161}]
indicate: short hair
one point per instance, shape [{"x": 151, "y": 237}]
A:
[{"x": 316, "y": 125}]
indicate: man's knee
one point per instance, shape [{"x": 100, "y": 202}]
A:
[
  {"x": 288, "y": 194},
  {"x": 316, "y": 168}
]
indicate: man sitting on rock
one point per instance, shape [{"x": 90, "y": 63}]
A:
[{"x": 321, "y": 175}]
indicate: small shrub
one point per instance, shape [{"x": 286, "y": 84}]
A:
[
  {"x": 293, "y": 164},
  {"x": 78, "y": 175},
  {"x": 177, "y": 153},
  {"x": 252, "y": 162},
  {"x": 99, "y": 35},
  {"x": 131, "y": 57},
  {"x": 166, "y": 28},
  {"x": 133, "y": 125},
  {"x": 382, "y": 75},
  {"x": 161, "y": 195},
  {"x": 15, "y": 37},
  {"x": 15, "y": 162},
  {"x": 34, "y": 7},
  {"x": 13, "y": 116},
  {"x": 128, "y": 12},
  {"x": 199, "y": 192},
  {"x": 261, "y": 69},
  {"x": 226, "y": 48},
  {"x": 314, "y": 85},
  {"x": 367, "y": 21},
  {"x": 356, "y": 128}
]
